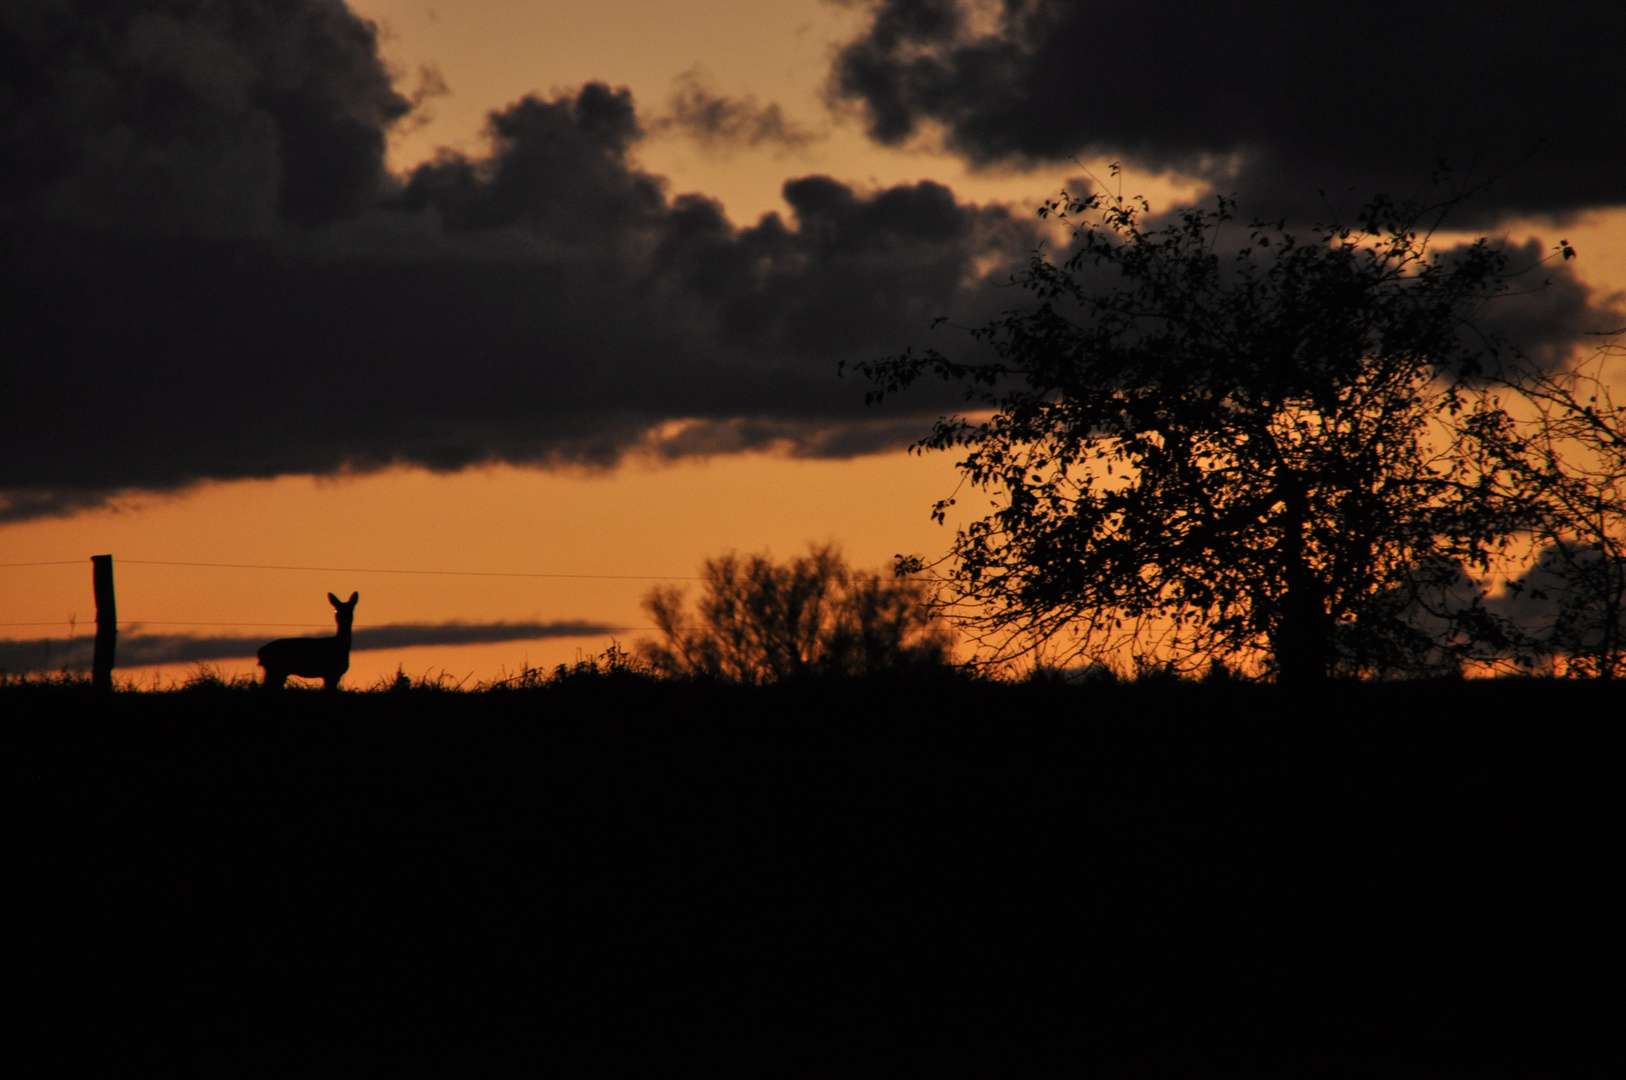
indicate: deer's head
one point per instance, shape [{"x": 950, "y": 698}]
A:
[{"x": 344, "y": 610}]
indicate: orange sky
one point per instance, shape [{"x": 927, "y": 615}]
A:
[
  {"x": 638, "y": 519},
  {"x": 491, "y": 52}
]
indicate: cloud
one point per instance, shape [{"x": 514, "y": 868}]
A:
[
  {"x": 401, "y": 637},
  {"x": 25, "y": 504},
  {"x": 721, "y": 123},
  {"x": 140, "y": 650},
  {"x": 212, "y": 276},
  {"x": 1274, "y": 101},
  {"x": 689, "y": 438},
  {"x": 1562, "y": 602},
  {"x": 1547, "y": 310},
  {"x": 189, "y": 117}
]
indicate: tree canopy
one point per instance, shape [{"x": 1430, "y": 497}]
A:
[{"x": 1208, "y": 441}]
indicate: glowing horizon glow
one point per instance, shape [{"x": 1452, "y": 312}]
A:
[{"x": 640, "y": 519}]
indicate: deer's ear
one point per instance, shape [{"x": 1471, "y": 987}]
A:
[
  {"x": 334, "y": 600},
  {"x": 354, "y": 597}
]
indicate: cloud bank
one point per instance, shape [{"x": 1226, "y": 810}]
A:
[
  {"x": 210, "y": 274},
  {"x": 1275, "y": 101},
  {"x": 213, "y": 276},
  {"x": 140, "y": 650}
]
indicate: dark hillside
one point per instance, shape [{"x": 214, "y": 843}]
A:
[{"x": 1294, "y": 885}]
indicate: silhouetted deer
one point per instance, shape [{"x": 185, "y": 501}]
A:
[{"x": 325, "y": 658}]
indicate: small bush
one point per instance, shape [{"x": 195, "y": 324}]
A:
[{"x": 757, "y": 621}]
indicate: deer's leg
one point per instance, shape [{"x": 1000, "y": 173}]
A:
[
  {"x": 275, "y": 679},
  {"x": 330, "y": 682}
]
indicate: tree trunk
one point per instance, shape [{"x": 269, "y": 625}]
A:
[{"x": 1302, "y": 636}]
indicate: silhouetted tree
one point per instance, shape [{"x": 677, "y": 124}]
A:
[
  {"x": 757, "y": 621},
  {"x": 1266, "y": 458}
]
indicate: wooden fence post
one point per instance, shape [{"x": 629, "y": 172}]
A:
[{"x": 107, "y": 623}]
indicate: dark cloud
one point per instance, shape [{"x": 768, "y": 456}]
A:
[
  {"x": 805, "y": 439},
  {"x": 558, "y": 170},
  {"x": 720, "y": 122},
  {"x": 375, "y": 638},
  {"x": 191, "y": 117},
  {"x": 1273, "y": 100},
  {"x": 1547, "y": 310},
  {"x": 23, "y": 504},
  {"x": 209, "y": 274},
  {"x": 212, "y": 275},
  {"x": 138, "y": 650}
]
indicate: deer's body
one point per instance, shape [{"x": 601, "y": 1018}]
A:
[{"x": 325, "y": 658}]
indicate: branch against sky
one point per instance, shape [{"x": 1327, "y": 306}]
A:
[{"x": 1565, "y": 455}]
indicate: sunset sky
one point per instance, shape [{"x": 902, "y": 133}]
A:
[{"x": 544, "y": 288}]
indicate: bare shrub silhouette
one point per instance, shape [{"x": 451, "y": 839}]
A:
[
  {"x": 759, "y": 622},
  {"x": 326, "y": 658}
]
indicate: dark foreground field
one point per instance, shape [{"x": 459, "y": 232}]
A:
[{"x": 1374, "y": 880}]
